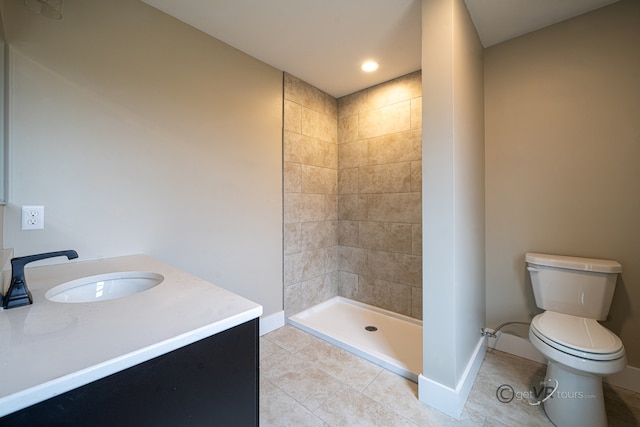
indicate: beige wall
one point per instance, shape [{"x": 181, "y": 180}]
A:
[
  {"x": 140, "y": 134},
  {"x": 562, "y": 158},
  {"x": 380, "y": 202},
  {"x": 310, "y": 196},
  {"x": 453, "y": 193}
]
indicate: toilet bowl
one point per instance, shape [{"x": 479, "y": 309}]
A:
[{"x": 576, "y": 292}]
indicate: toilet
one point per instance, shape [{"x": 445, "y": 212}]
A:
[{"x": 575, "y": 293}]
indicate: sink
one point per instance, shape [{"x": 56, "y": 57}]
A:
[{"x": 104, "y": 287}]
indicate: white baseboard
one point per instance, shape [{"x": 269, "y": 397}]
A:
[
  {"x": 628, "y": 379},
  {"x": 271, "y": 322},
  {"x": 445, "y": 399}
]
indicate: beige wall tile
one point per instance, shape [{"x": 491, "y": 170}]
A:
[
  {"x": 352, "y": 154},
  {"x": 385, "y": 120},
  {"x": 319, "y": 180},
  {"x": 304, "y": 94},
  {"x": 416, "y": 239},
  {"x": 309, "y": 151},
  {"x": 348, "y": 284},
  {"x": 394, "y": 91},
  {"x": 395, "y": 207},
  {"x": 303, "y": 207},
  {"x": 348, "y": 233},
  {"x": 319, "y": 126},
  {"x": 303, "y": 266},
  {"x": 389, "y": 178},
  {"x": 352, "y": 260},
  {"x": 347, "y": 129},
  {"x": 395, "y": 267},
  {"x": 416, "y": 176},
  {"x": 352, "y": 104},
  {"x": 292, "y": 177},
  {"x": 396, "y": 147},
  {"x": 348, "y": 181},
  {"x": 331, "y": 207},
  {"x": 292, "y": 116},
  {"x": 385, "y": 236},
  {"x": 416, "y": 113},
  {"x": 391, "y": 296},
  {"x": 292, "y": 243},
  {"x": 352, "y": 207},
  {"x": 318, "y": 234}
]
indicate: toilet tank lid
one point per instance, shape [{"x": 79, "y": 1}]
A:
[{"x": 574, "y": 263}]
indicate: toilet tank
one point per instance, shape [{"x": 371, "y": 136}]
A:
[{"x": 577, "y": 286}]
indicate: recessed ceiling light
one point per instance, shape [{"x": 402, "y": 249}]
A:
[{"x": 369, "y": 66}]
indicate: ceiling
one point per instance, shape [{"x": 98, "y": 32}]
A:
[{"x": 323, "y": 42}]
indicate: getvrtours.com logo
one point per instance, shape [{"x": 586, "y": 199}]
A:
[{"x": 538, "y": 394}]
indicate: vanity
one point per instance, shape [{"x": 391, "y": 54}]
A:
[{"x": 183, "y": 352}]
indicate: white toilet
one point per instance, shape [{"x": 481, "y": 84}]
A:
[{"x": 576, "y": 293}]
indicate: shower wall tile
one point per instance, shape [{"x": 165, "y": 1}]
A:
[
  {"x": 385, "y": 120},
  {"x": 391, "y": 296},
  {"x": 318, "y": 125},
  {"x": 300, "y": 207},
  {"x": 292, "y": 177},
  {"x": 389, "y": 178},
  {"x": 395, "y": 267},
  {"x": 311, "y": 97},
  {"x": 348, "y": 284},
  {"x": 397, "y": 147},
  {"x": 352, "y": 195},
  {"x": 331, "y": 207},
  {"x": 416, "y": 239},
  {"x": 347, "y": 129},
  {"x": 319, "y": 180},
  {"x": 353, "y": 104},
  {"x": 310, "y": 186},
  {"x": 416, "y": 113},
  {"x": 309, "y": 151},
  {"x": 416, "y": 303},
  {"x": 352, "y": 154},
  {"x": 352, "y": 260},
  {"x": 303, "y": 266},
  {"x": 292, "y": 120},
  {"x": 408, "y": 87},
  {"x": 292, "y": 238},
  {"x": 318, "y": 234},
  {"x": 348, "y": 233},
  {"x": 395, "y": 207},
  {"x": 386, "y": 236},
  {"x": 416, "y": 176},
  {"x": 348, "y": 181},
  {"x": 380, "y": 195}
]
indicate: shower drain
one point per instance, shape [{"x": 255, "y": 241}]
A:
[{"x": 371, "y": 328}]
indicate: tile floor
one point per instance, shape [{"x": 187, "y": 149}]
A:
[{"x": 305, "y": 381}]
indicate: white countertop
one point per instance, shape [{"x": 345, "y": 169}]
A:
[{"x": 48, "y": 348}]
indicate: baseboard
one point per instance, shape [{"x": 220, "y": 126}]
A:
[
  {"x": 628, "y": 379},
  {"x": 445, "y": 399},
  {"x": 271, "y": 322}
]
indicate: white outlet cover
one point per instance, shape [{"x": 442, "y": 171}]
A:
[{"x": 32, "y": 217}]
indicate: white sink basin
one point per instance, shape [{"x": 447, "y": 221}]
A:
[{"x": 104, "y": 287}]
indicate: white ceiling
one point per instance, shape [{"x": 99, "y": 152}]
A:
[{"x": 323, "y": 42}]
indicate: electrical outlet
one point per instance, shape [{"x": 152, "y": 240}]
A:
[{"x": 32, "y": 217}]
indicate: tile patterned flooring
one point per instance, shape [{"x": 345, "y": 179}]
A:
[{"x": 305, "y": 381}]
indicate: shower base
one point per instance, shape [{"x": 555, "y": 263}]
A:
[{"x": 385, "y": 338}]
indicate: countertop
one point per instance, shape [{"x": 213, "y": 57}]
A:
[{"x": 48, "y": 348}]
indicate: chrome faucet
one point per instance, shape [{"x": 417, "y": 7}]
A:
[{"x": 18, "y": 293}]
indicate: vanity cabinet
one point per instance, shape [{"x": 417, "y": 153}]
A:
[{"x": 211, "y": 382}]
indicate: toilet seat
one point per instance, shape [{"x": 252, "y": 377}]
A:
[{"x": 577, "y": 336}]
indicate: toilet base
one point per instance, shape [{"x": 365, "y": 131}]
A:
[{"x": 578, "y": 399}]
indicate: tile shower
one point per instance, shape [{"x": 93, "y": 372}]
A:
[{"x": 352, "y": 196}]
